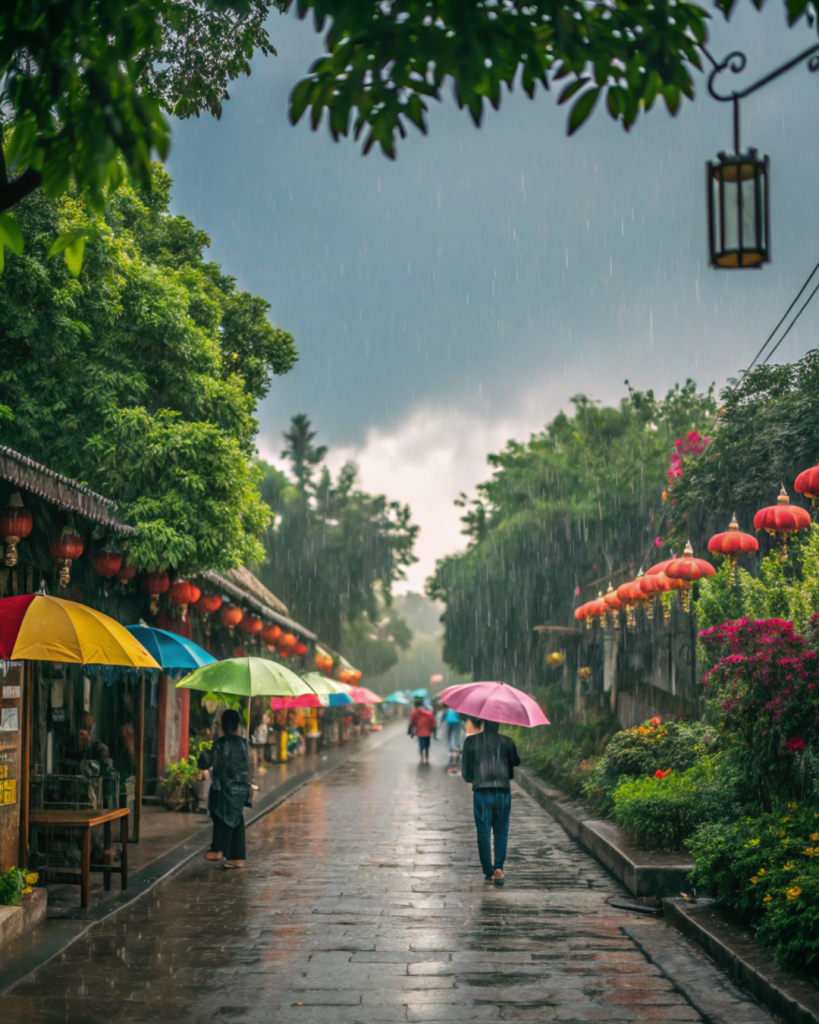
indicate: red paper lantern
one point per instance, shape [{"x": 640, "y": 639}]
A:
[
  {"x": 346, "y": 675},
  {"x": 251, "y": 624},
  {"x": 732, "y": 543},
  {"x": 288, "y": 641},
  {"x": 283, "y": 652},
  {"x": 782, "y": 518},
  {"x": 613, "y": 604},
  {"x": 15, "y": 525},
  {"x": 231, "y": 616},
  {"x": 689, "y": 570},
  {"x": 807, "y": 482},
  {"x": 181, "y": 594},
  {"x": 271, "y": 634},
  {"x": 207, "y": 604},
  {"x": 300, "y": 650},
  {"x": 126, "y": 573},
  {"x": 196, "y": 593},
  {"x": 356, "y": 677},
  {"x": 155, "y": 584},
  {"x": 65, "y": 549},
  {"x": 107, "y": 563}
]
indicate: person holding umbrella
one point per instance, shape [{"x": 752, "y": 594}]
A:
[
  {"x": 422, "y": 724},
  {"x": 229, "y": 793},
  {"x": 489, "y": 759}
]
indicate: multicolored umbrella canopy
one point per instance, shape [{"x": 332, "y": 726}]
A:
[
  {"x": 360, "y": 694},
  {"x": 398, "y": 697},
  {"x": 172, "y": 652},
  {"x": 36, "y": 627},
  {"x": 328, "y": 694},
  {"x": 496, "y": 702},
  {"x": 247, "y": 677}
]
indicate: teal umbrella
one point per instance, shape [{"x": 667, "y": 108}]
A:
[{"x": 399, "y": 697}]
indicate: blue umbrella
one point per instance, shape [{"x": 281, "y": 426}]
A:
[
  {"x": 397, "y": 698},
  {"x": 423, "y": 692},
  {"x": 171, "y": 651}
]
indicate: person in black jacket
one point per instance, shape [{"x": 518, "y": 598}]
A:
[
  {"x": 229, "y": 793},
  {"x": 488, "y": 762}
]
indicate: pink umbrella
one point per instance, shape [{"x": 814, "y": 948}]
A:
[
  {"x": 496, "y": 702},
  {"x": 361, "y": 695}
]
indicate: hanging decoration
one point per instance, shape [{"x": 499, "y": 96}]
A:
[
  {"x": 689, "y": 570},
  {"x": 652, "y": 585},
  {"x": 231, "y": 616},
  {"x": 207, "y": 604},
  {"x": 555, "y": 658},
  {"x": 781, "y": 520},
  {"x": 66, "y": 549},
  {"x": 251, "y": 624},
  {"x": 15, "y": 525},
  {"x": 613, "y": 605},
  {"x": 300, "y": 650},
  {"x": 583, "y": 614},
  {"x": 181, "y": 594},
  {"x": 107, "y": 562},
  {"x": 807, "y": 483},
  {"x": 126, "y": 573},
  {"x": 733, "y": 543},
  {"x": 156, "y": 584},
  {"x": 271, "y": 634}
]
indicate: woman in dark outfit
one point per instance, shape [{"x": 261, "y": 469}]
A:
[{"x": 229, "y": 793}]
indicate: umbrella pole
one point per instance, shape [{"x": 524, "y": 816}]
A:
[{"x": 140, "y": 734}]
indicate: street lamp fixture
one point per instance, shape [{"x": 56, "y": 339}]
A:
[{"x": 738, "y": 184}]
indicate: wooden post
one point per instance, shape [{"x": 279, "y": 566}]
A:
[
  {"x": 140, "y": 755},
  {"x": 25, "y": 760}
]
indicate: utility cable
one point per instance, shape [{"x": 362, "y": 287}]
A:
[{"x": 790, "y": 325}]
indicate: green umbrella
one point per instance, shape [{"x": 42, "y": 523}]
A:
[{"x": 247, "y": 677}]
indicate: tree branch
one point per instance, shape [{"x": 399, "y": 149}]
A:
[{"x": 13, "y": 191}]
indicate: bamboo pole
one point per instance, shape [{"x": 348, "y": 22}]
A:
[
  {"x": 140, "y": 756},
  {"x": 25, "y": 760}
]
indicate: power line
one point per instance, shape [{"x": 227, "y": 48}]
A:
[
  {"x": 790, "y": 325},
  {"x": 773, "y": 332}
]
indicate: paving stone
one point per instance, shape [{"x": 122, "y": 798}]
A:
[{"x": 363, "y": 902}]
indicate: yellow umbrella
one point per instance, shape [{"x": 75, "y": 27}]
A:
[{"x": 35, "y": 627}]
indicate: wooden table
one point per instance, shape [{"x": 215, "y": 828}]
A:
[{"x": 86, "y": 820}]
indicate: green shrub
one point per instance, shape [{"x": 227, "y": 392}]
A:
[
  {"x": 643, "y": 750},
  {"x": 767, "y": 869},
  {"x": 562, "y": 755},
  {"x": 14, "y": 885},
  {"x": 661, "y": 813}
]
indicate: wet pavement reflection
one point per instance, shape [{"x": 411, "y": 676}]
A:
[{"x": 363, "y": 900}]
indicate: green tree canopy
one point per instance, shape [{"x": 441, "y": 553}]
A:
[
  {"x": 141, "y": 378},
  {"x": 385, "y": 60},
  {"x": 333, "y": 550},
  {"x": 766, "y": 434},
  {"x": 573, "y": 506},
  {"x": 85, "y": 84}
]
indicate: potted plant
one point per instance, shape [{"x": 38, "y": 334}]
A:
[{"x": 177, "y": 783}]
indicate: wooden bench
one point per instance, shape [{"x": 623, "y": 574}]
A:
[{"x": 86, "y": 820}]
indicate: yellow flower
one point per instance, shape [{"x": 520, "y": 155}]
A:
[
  {"x": 761, "y": 871},
  {"x": 793, "y": 807},
  {"x": 788, "y": 866},
  {"x": 753, "y": 842},
  {"x": 32, "y": 878},
  {"x": 786, "y": 843},
  {"x": 767, "y": 899},
  {"x": 811, "y": 851},
  {"x": 27, "y": 890},
  {"x": 754, "y": 879},
  {"x": 793, "y": 893},
  {"x": 779, "y": 833},
  {"x": 815, "y": 836},
  {"x": 786, "y": 818}
]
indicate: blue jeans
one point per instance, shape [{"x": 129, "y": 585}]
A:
[
  {"x": 423, "y": 745},
  {"x": 492, "y": 808}
]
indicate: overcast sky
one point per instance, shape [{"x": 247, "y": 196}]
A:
[{"x": 460, "y": 295}]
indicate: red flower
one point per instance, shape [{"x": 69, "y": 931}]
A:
[
  {"x": 655, "y": 721},
  {"x": 660, "y": 774},
  {"x": 795, "y": 743}
]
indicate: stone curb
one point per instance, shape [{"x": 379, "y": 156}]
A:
[
  {"x": 745, "y": 960},
  {"x": 643, "y": 873},
  {"x": 34, "y": 949},
  {"x": 15, "y": 921}
]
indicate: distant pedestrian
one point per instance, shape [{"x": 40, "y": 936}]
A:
[
  {"x": 422, "y": 724},
  {"x": 229, "y": 793},
  {"x": 453, "y": 729},
  {"x": 488, "y": 762}
]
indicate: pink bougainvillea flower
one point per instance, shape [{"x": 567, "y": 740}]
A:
[{"x": 795, "y": 743}]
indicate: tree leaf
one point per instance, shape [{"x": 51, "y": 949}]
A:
[
  {"x": 572, "y": 88},
  {"x": 11, "y": 236},
  {"x": 73, "y": 256},
  {"x": 582, "y": 109}
]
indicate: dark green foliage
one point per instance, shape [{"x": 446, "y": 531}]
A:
[
  {"x": 642, "y": 751},
  {"x": 141, "y": 378},
  {"x": 334, "y": 550},
  {"x": 562, "y": 755},
  {"x": 766, "y": 868},
  {"x": 575, "y": 504},
  {"x": 385, "y": 61},
  {"x": 660, "y": 814},
  {"x": 85, "y": 84},
  {"x": 768, "y": 432}
]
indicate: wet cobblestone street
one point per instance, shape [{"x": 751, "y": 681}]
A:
[{"x": 362, "y": 901}]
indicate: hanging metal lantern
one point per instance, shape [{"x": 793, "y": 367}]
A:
[{"x": 739, "y": 210}]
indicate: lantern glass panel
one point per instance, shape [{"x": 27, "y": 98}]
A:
[{"x": 738, "y": 211}]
